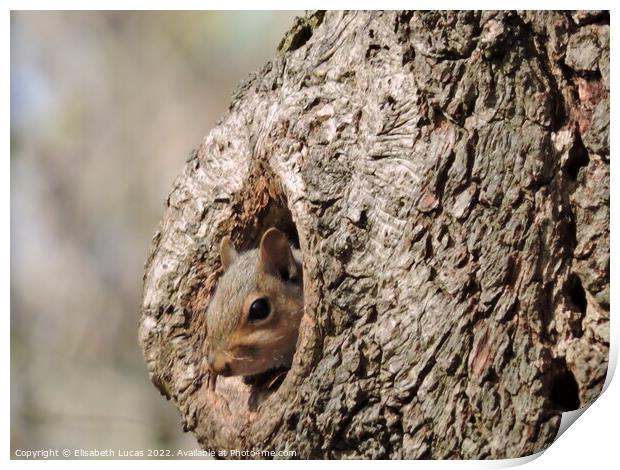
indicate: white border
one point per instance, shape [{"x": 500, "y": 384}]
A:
[
  {"x": 279, "y": 5},
  {"x": 592, "y": 442}
]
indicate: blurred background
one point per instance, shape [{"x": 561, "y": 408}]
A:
[{"x": 105, "y": 108}]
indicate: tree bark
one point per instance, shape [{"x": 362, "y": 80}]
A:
[{"x": 446, "y": 175}]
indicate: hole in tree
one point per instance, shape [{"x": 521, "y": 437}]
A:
[
  {"x": 564, "y": 390},
  {"x": 577, "y": 159},
  {"x": 303, "y": 29},
  {"x": 576, "y": 293},
  {"x": 301, "y": 37},
  {"x": 255, "y": 213}
]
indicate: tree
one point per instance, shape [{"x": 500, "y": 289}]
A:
[{"x": 446, "y": 175}]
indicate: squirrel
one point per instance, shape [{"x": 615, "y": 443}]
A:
[{"x": 254, "y": 315}]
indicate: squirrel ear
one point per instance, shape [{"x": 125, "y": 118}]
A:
[
  {"x": 228, "y": 254},
  {"x": 276, "y": 256}
]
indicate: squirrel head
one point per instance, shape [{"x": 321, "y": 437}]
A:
[{"x": 253, "y": 318}]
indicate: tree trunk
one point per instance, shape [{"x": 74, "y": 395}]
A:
[{"x": 446, "y": 175}]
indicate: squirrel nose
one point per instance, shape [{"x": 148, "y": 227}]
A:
[
  {"x": 219, "y": 367},
  {"x": 225, "y": 370}
]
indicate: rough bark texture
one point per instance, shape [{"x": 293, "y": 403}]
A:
[{"x": 447, "y": 177}]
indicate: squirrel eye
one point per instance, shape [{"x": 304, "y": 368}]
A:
[{"x": 259, "y": 310}]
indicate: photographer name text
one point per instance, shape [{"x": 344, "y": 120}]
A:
[{"x": 37, "y": 454}]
